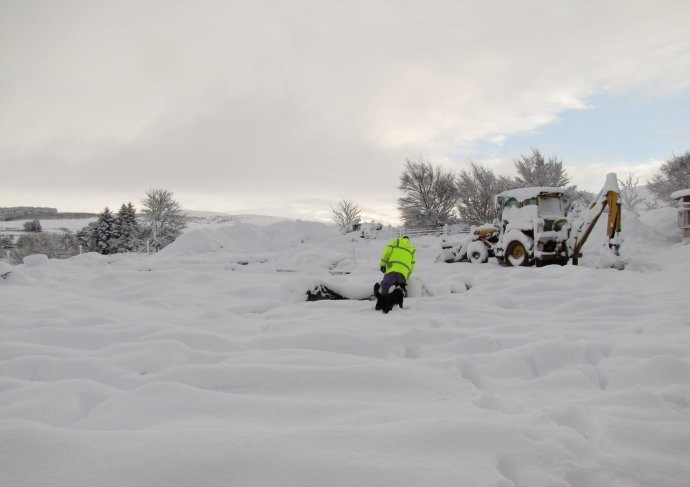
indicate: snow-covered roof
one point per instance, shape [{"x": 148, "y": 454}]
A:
[
  {"x": 680, "y": 193},
  {"x": 522, "y": 194}
]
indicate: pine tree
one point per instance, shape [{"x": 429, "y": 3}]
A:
[
  {"x": 33, "y": 226},
  {"x": 126, "y": 229},
  {"x": 116, "y": 233},
  {"x": 103, "y": 234},
  {"x": 86, "y": 237}
]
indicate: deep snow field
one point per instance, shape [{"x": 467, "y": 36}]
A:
[{"x": 204, "y": 365}]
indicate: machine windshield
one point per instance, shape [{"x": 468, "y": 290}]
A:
[{"x": 550, "y": 205}]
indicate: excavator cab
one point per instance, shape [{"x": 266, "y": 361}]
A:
[{"x": 533, "y": 226}]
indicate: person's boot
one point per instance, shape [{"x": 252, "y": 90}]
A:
[{"x": 379, "y": 304}]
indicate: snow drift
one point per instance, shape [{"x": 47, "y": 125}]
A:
[{"x": 205, "y": 365}]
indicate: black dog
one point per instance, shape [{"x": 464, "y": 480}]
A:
[{"x": 395, "y": 296}]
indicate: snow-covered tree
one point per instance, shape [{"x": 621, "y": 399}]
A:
[
  {"x": 534, "y": 170},
  {"x": 126, "y": 229},
  {"x": 672, "y": 176},
  {"x": 103, "y": 232},
  {"x": 33, "y": 226},
  {"x": 347, "y": 215},
  {"x": 163, "y": 217},
  {"x": 631, "y": 196},
  {"x": 429, "y": 195},
  {"x": 6, "y": 241},
  {"x": 575, "y": 201},
  {"x": 86, "y": 238},
  {"x": 476, "y": 190},
  {"x": 54, "y": 245}
]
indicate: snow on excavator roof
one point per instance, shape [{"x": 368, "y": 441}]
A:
[
  {"x": 522, "y": 194},
  {"x": 681, "y": 193}
]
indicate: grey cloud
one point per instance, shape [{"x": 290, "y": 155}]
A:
[{"x": 273, "y": 100}]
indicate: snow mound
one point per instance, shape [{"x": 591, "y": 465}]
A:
[
  {"x": 252, "y": 238},
  {"x": 35, "y": 260},
  {"x": 663, "y": 222},
  {"x": 643, "y": 239}
]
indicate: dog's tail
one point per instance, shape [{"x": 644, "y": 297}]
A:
[{"x": 377, "y": 293}]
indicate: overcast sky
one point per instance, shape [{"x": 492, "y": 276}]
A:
[{"x": 285, "y": 107}]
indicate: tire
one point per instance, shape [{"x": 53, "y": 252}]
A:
[
  {"x": 477, "y": 252},
  {"x": 541, "y": 263},
  {"x": 516, "y": 254}
]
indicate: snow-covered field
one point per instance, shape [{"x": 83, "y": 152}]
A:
[
  {"x": 64, "y": 225},
  {"x": 196, "y": 220},
  {"x": 204, "y": 365}
]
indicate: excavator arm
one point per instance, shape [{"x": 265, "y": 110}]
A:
[{"x": 608, "y": 197}]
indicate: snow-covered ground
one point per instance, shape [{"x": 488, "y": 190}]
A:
[
  {"x": 196, "y": 220},
  {"x": 205, "y": 365},
  {"x": 64, "y": 225}
]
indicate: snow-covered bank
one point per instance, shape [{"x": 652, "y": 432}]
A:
[{"x": 205, "y": 365}]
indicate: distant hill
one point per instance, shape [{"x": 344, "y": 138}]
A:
[
  {"x": 200, "y": 219},
  {"x": 42, "y": 213}
]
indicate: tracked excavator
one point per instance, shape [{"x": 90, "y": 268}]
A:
[{"x": 532, "y": 228}]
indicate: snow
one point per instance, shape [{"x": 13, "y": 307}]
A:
[
  {"x": 212, "y": 220},
  {"x": 35, "y": 260},
  {"x": 680, "y": 194},
  {"x": 520, "y": 218},
  {"x": 205, "y": 365},
  {"x": 66, "y": 225},
  {"x": 522, "y": 194},
  {"x": 611, "y": 183},
  {"x": 196, "y": 220}
]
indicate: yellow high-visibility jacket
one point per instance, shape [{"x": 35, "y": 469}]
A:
[{"x": 399, "y": 256}]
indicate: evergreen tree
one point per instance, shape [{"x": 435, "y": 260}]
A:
[
  {"x": 126, "y": 229},
  {"x": 33, "y": 226},
  {"x": 103, "y": 236},
  {"x": 86, "y": 237},
  {"x": 6, "y": 242}
]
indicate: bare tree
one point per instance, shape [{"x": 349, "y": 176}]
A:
[
  {"x": 476, "y": 190},
  {"x": 631, "y": 193},
  {"x": 347, "y": 215},
  {"x": 163, "y": 217},
  {"x": 534, "y": 170},
  {"x": 672, "y": 176},
  {"x": 429, "y": 195},
  {"x": 653, "y": 205}
]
